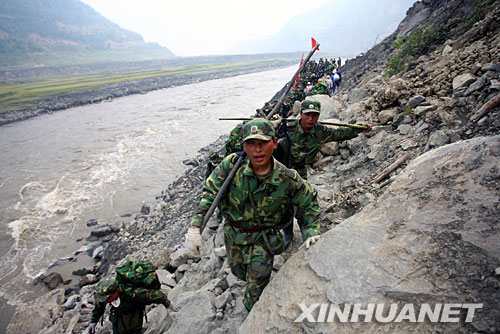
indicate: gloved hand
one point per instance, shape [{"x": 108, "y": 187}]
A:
[
  {"x": 311, "y": 240},
  {"x": 193, "y": 240},
  {"x": 91, "y": 329}
]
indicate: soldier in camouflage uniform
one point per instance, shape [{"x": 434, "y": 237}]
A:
[
  {"x": 127, "y": 305},
  {"x": 320, "y": 88},
  {"x": 213, "y": 160},
  {"x": 255, "y": 204},
  {"x": 233, "y": 142},
  {"x": 303, "y": 141}
]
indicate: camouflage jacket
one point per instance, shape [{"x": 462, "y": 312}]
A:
[
  {"x": 320, "y": 88},
  {"x": 234, "y": 141},
  {"x": 301, "y": 147},
  {"x": 132, "y": 301},
  {"x": 282, "y": 189}
]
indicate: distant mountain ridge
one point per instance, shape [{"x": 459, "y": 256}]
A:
[
  {"x": 40, "y": 29},
  {"x": 344, "y": 28}
]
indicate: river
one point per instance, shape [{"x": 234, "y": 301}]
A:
[{"x": 102, "y": 161}]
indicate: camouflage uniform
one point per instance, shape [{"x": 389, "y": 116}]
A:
[
  {"x": 320, "y": 88},
  {"x": 249, "y": 257},
  {"x": 234, "y": 141},
  {"x": 302, "y": 147},
  {"x": 127, "y": 317},
  {"x": 213, "y": 161},
  {"x": 299, "y": 148}
]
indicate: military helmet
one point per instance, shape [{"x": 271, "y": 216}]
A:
[{"x": 104, "y": 288}]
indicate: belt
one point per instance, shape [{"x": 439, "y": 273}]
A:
[{"x": 247, "y": 230}]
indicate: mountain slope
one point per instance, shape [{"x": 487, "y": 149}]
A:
[
  {"x": 343, "y": 28},
  {"x": 38, "y": 30}
]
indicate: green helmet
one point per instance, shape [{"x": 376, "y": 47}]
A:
[{"x": 104, "y": 288}]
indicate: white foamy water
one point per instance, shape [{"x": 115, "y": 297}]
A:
[{"x": 101, "y": 161}]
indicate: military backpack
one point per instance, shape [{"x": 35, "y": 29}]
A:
[{"x": 138, "y": 274}]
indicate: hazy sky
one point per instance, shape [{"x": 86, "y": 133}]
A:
[{"x": 202, "y": 27}]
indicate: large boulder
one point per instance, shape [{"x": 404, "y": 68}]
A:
[
  {"x": 432, "y": 237},
  {"x": 329, "y": 108}
]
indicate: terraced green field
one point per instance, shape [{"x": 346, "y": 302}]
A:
[{"x": 25, "y": 95}]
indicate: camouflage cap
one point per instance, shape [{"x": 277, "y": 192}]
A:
[
  {"x": 104, "y": 288},
  {"x": 311, "y": 106},
  {"x": 259, "y": 128}
]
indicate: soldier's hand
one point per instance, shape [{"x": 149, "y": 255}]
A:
[
  {"x": 173, "y": 308},
  {"x": 369, "y": 126},
  {"x": 311, "y": 240},
  {"x": 193, "y": 240},
  {"x": 91, "y": 329}
]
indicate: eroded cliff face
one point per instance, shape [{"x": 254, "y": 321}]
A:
[{"x": 427, "y": 233}]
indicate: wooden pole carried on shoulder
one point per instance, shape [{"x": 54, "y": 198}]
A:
[{"x": 237, "y": 165}]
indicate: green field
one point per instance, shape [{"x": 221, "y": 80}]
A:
[{"x": 26, "y": 95}]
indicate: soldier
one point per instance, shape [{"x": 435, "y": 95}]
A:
[
  {"x": 267, "y": 108},
  {"x": 303, "y": 141},
  {"x": 233, "y": 142},
  {"x": 320, "y": 88},
  {"x": 213, "y": 160},
  {"x": 255, "y": 206},
  {"x": 127, "y": 305}
]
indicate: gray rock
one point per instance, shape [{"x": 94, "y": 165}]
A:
[
  {"x": 330, "y": 148},
  {"x": 102, "y": 231},
  {"x": 422, "y": 110},
  {"x": 463, "y": 81},
  {"x": 52, "y": 280},
  {"x": 404, "y": 129},
  {"x": 437, "y": 139},
  {"x": 385, "y": 116},
  {"x": 373, "y": 256},
  {"x": 97, "y": 254},
  {"x": 223, "y": 299},
  {"x": 196, "y": 309},
  {"x": 220, "y": 252},
  {"x": 325, "y": 161},
  {"x": 415, "y": 101},
  {"x": 166, "y": 278},
  {"x": 344, "y": 153},
  {"x": 182, "y": 256},
  {"x": 477, "y": 85},
  {"x": 71, "y": 302},
  {"x": 234, "y": 281},
  {"x": 278, "y": 262}
]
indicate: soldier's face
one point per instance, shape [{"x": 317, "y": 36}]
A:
[
  {"x": 260, "y": 152},
  {"x": 308, "y": 120}
]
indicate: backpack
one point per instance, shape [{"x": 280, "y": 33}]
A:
[{"x": 138, "y": 274}]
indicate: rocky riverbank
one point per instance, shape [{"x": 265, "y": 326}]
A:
[
  {"x": 409, "y": 211},
  {"x": 108, "y": 92}
]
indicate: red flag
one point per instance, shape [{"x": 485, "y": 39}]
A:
[
  {"x": 314, "y": 43},
  {"x": 297, "y": 77}
]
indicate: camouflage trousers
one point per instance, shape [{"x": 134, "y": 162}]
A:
[{"x": 253, "y": 264}]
